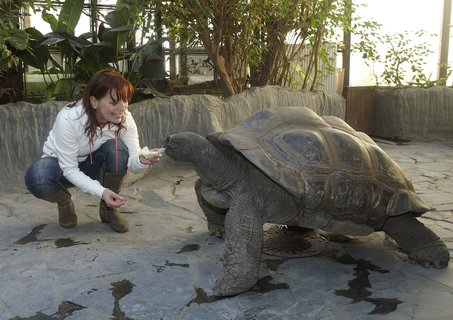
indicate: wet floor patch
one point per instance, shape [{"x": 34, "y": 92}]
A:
[
  {"x": 65, "y": 309},
  {"x": 67, "y": 242},
  {"x": 32, "y": 236},
  {"x": 119, "y": 290},
  {"x": 189, "y": 247},
  {"x": 273, "y": 264},
  {"x": 160, "y": 268},
  {"x": 59, "y": 243},
  {"x": 358, "y": 290},
  {"x": 203, "y": 297},
  {"x": 171, "y": 264},
  {"x": 263, "y": 285}
]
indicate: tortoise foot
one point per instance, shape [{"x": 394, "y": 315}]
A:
[
  {"x": 433, "y": 255},
  {"x": 216, "y": 230},
  {"x": 231, "y": 286}
]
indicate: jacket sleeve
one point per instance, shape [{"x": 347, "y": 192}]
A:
[
  {"x": 131, "y": 140},
  {"x": 66, "y": 135}
]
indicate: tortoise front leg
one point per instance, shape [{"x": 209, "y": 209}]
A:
[
  {"x": 420, "y": 243},
  {"x": 214, "y": 215},
  {"x": 243, "y": 241}
]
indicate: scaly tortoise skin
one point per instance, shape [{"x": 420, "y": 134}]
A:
[{"x": 290, "y": 166}]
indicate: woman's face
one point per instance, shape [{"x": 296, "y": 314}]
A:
[{"x": 108, "y": 109}]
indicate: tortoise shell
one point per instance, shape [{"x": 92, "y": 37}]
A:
[{"x": 324, "y": 164}]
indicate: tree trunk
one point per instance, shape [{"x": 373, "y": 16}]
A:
[
  {"x": 11, "y": 85},
  {"x": 213, "y": 51}
]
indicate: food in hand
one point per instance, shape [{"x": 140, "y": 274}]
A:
[{"x": 152, "y": 153}]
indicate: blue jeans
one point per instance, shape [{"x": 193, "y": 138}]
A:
[{"x": 45, "y": 177}]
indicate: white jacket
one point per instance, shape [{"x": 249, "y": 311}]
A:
[{"x": 69, "y": 144}]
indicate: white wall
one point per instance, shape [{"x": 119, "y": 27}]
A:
[{"x": 398, "y": 16}]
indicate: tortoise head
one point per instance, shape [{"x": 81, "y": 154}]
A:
[
  {"x": 184, "y": 146},
  {"x": 215, "y": 163}
]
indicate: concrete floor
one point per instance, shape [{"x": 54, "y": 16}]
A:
[{"x": 165, "y": 266}]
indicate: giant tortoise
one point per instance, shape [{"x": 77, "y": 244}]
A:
[{"x": 290, "y": 166}]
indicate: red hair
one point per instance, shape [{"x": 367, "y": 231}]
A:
[{"x": 102, "y": 83}]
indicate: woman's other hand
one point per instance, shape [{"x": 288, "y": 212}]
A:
[{"x": 112, "y": 199}]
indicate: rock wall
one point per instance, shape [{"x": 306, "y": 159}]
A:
[
  {"x": 25, "y": 126},
  {"x": 157, "y": 118},
  {"x": 414, "y": 113}
]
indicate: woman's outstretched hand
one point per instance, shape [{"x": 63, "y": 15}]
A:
[
  {"x": 151, "y": 156},
  {"x": 149, "y": 161}
]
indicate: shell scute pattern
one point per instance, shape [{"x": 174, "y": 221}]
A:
[{"x": 325, "y": 164}]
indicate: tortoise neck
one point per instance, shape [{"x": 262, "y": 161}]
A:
[{"x": 219, "y": 167}]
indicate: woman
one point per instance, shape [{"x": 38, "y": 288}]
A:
[{"x": 92, "y": 144}]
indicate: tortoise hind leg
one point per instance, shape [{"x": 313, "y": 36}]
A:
[{"x": 421, "y": 244}]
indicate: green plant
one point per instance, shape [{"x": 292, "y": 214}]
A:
[
  {"x": 78, "y": 58},
  {"x": 11, "y": 36},
  {"x": 258, "y": 41},
  {"x": 421, "y": 80},
  {"x": 141, "y": 63},
  {"x": 402, "y": 54}
]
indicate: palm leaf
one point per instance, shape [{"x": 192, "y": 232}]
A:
[{"x": 70, "y": 15}]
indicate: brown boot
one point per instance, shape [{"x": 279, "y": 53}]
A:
[
  {"x": 109, "y": 215},
  {"x": 66, "y": 211},
  {"x": 66, "y": 214},
  {"x": 114, "y": 217}
]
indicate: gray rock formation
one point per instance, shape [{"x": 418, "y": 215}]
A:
[
  {"x": 25, "y": 126},
  {"x": 157, "y": 118},
  {"x": 414, "y": 113}
]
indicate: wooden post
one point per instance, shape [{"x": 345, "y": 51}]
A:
[
  {"x": 94, "y": 20},
  {"x": 347, "y": 50},
  {"x": 445, "y": 35},
  {"x": 172, "y": 60}
]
